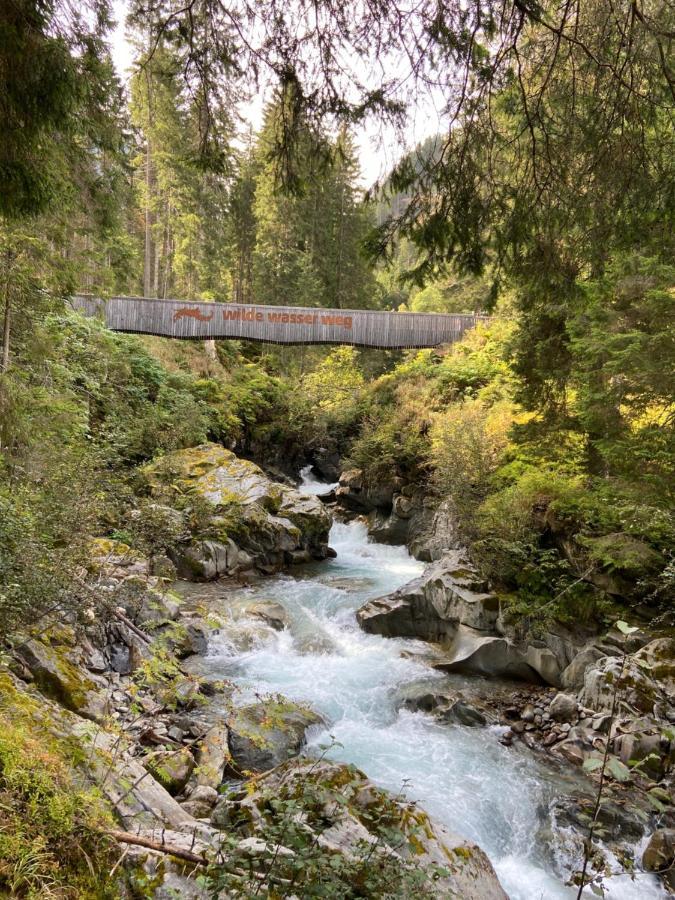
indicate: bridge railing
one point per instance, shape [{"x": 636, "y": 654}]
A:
[{"x": 195, "y": 320}]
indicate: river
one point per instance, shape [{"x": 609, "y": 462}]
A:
[{"x": 499, "y": 796}]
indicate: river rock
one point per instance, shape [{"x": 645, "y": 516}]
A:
[
  {"x": 205, "y": 560},
  {"x": 432, "y": 528},
  {"x": 563, "y": 708},
  {"x": 544, "y": 662},
  {"x": 432, "y": 607},
  {"x": 478, "y": 654},
  {"x": 213, "y": 756},
  {"x": 265, "y": 734},
  {"x": 270, "y": 612},
  {"x": 645, "y": 741},
  {"x": 573, "y": 676},
  {"x": 646, "y": 680},
  {"x": 463, "y": 714},
  {"x": 659, "y": 855},
  {"x": 243, "y": 509},
  {"x": 157, "y": 608},
  {"x": 349, "y": 826},
  {"x": 387, "y": 529}
]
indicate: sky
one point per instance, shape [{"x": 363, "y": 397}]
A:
[{"x": 379, "y": 149}]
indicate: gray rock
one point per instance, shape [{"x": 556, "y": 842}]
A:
[
  {"x": 205, "y": 560},
  {"x": 261, "y": 517},
  {"x": 563, "y": 708},
  {"x": 528, "y": 713},
  {"x": 432, "y": 528},
  {"x": 646, "y": 680},
  {"x": 344, "y": 827},
  {"x": 544, "y": 662},
  {"x": 172, "y": 769},
  {"x": 212, "y": 756},
  {"x": 265, "y": 734},
  {"x": 432, "y": 607},
  {"x": 659, "y": 855},
  {"x": 57, "y": 674},
  {"x": 270, "y": 612},
  {"x": 158, "y": 607},
  {"x": 464, "y": 714},
  {"x": 174, "y": 886},
  {"x": 473, "y": 652},
  {"x": 573, "y": 676}
]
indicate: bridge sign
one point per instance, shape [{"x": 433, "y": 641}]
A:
[{"x": 194, "y": 320}]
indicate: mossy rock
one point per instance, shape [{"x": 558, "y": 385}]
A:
[
  {"x": 171, "y": 768},
  {"x": 59, "y": 678},
  {"x": 237, "y": 502},
  {"x": 267, "y": 733}
]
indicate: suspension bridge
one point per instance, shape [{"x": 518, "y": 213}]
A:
[{"x": 200, "y": 321}]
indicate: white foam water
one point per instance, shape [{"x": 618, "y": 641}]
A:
[
  {"x": 495, "y": 795},
  {"x": 310, "y": 484}
]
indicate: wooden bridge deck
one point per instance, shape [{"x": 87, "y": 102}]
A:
[{"x": 275, "y": 324}]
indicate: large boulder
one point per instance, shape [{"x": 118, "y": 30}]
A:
[
  {"x": 431, "y": 607},
  {"x": 489, "y": 655},
  {"x": 265, "y": 734},
  {"x": 432, "y": 526},
  {"x": 245, "y": 516},
  {"x": 347, "y": 815},
  {"x": 357, "y": 494},
  {"x": 450, "y": 604},
  {"x": 644, "y": 680},
  {"x": 60, "y": 675}
]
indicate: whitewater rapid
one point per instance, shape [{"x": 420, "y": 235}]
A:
[{"x": 498, "y": 796}]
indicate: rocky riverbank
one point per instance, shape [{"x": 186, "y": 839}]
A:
[
  {"x": 582, "y": 694},
  {"x": 196, "y": 781}
]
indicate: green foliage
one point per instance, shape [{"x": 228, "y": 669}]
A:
[
  {"x": 52, "y": 841},
  {"x": 292, "y": 819}
]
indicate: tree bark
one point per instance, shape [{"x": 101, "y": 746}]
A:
[
  {"x": 7, "y": 321},
  {"x": 126, "y": 837}
]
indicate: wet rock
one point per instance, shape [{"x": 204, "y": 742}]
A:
[
  {"x": 387, "y": 529},
  {"x": 659, "y": 855},
  {"x": 190, "y": 638},
  {"x": 265, "y": 734},
  {"x": 563, "y": 708},
  {"x": 528, "y": 713},
  {"x": 431, "y": 607},
  {"x": 621, "y": 822},
  {"x": 463, "y": 713},
  {"x": 270, "y": 612}
]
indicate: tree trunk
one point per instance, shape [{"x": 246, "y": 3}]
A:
[
  {"x": 148, "y": 262},
  {"x": 7, "y": 323}
]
